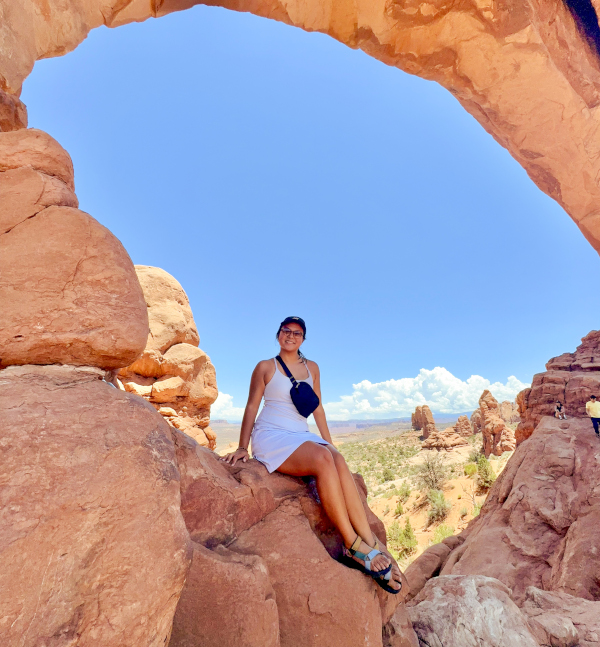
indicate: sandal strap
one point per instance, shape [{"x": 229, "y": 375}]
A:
[{"x": 355, "y": 546}]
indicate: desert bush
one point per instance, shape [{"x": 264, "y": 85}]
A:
[
  {"x": 433, "y": 473},
  {"x": 485, "y": 473},
  {"x": 401, "y": 541},
  {"x": 441, "y": 532},
  {"x": 470, "y": 469},
  {"x": 438, "y": 506},
  {"x": 475, "y": 455},
  {"x": 399, "y": 509},
  {"x": 404, "y": 492},
  {"x": 463, "y": 512},
  {"x": 387, "y": 474},
  {"x": 476, "y": 509}
]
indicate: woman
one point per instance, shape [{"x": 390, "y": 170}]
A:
[
  {"x": 559, "y": 411},
  {"x": 282, "y": 442}
]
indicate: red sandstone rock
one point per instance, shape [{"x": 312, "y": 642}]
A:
[
  {"x": 497, "y": 436},
  {"x": 509, "y": 412},
  {"x": 279, "y": 519},
  {"x": 476, "y": 421},
  {"x": 538, "y": 526},
  {"x": 426, "y": 566},
  {"x": 459, "y": 611},
  {"x": 25, "y": 192},
  {"x": 399, "y": 631},
  {"x": 525, "y": 71},
  {"x": 69, "y": 293},
  {"x": 169, "y": 312},
  {"x": 228, "y": 600},
  {"x": 13, "y": 114},
  {"x": 561, "y": 619},
  {"x": 93, "y": 548},
  {"x": 422, "y": 420},
  {"x": 570, "y": 378},
  {"x": 36, "y": 149},
  {"x": 175, "y": 375},
  {"x": 447, "y": 440},
  {"x": 463, "y": 427},
  {"x": 311, "y": 610}
]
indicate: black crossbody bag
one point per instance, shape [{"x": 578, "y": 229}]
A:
[{"x": 303, "y": 397}]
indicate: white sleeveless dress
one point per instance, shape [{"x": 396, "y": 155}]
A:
[{"x": 279, "y": 429}]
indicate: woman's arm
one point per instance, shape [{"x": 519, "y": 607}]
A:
[
  {"x": 257, "y": 389},
  {"x": 319, "y": 412}
]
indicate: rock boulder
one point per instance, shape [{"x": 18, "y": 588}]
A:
[
  {"x": 93, "y": 547},
  {"x": 69, "y": 292},
  {"x": 173, "y": 374},
  {"x": 422, "y": 420},
  {"x": 498, "y": 437}
]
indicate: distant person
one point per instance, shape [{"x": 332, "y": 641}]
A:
[
  {"x": 559, "y": 411},
  {"x": 281, "y": 441},
  {"x": 592, "y": 408}
]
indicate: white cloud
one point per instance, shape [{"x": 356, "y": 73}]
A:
[
  {"x": 438, "y": 388},
  {"x": 223, "y": 409}
]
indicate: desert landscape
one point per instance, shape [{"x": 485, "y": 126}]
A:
[{"x": 121, "y": 527}]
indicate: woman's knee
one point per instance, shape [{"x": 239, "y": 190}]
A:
[
  {"x": 338, "y": 459},
  {"x": 323, "y": 460}
]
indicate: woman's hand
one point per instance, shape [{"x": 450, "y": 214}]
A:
[{"x": 239, "y": 454}]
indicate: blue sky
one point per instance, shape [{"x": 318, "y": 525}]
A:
[{"x": 275, "y": 172}]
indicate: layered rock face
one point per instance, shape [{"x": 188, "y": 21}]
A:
[
  {"x": 463, "y": 427},
  {"x": 93, "y": 548},
  {"x": 422, "y": 420},
  {"x": 450, "y": 437},
  {"x": 447, "y": 440},
  {"x": 538, "y": 524},
  {"x": 498, "y": 437},
  {"x": 88, "y": 309},
  {"x": 262, "y": 571},
  {"x": 173, "y": 374},
  {"x": 570, "y": 378}
]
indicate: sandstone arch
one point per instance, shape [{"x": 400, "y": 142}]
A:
[{"x": 520, "y": 67}]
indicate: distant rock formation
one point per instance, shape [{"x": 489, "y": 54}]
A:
[
  {"x": 173, "y": 374},
  {"x": 498, "y": 437},
  {"x": 463, "y": 427},
  {"x": 570, "y": 378},
  {"x": 422, "y": 420},
  {"x": 447, "y": 439},
  {"x": 509, "y": 412},
  {"x": 476, "y": 421},
  {"x": 539, "y": 521}
]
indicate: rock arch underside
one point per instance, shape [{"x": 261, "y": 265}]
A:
[{"x": 119, "y": 526}]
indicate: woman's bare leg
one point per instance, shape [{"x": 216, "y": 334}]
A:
[
  {"x": 312, "y": 459},
  {"x": 354, "y": 506}
]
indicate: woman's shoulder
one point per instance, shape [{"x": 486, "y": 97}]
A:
[
  {"x": 312, "y": 366},
  {"x": 264, "y": 364}
]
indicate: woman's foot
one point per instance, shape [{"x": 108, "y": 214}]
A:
[
  {"x": 379, "y": 562},
  {"x": 395, "y": 580}
]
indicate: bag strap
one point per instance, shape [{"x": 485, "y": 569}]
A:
[{"x": 287, "y": 371}]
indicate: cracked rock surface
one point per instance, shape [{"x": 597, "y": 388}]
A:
[
  {"x": 538, "y": 526},
  {"x": 93, "y": 547}
]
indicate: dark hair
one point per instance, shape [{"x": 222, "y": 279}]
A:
[
  {"x": 302, "y": 325},
  {"x": 592, "y": 396}
]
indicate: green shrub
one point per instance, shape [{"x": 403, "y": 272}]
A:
[
  {"x": 441, "y": 532},
  {"x": 470, "y": 469},
  {"x": 402, "y": 541},
  {"x": 485, "y": 473},
  {"x": 404, "y": 492},
  {"x": 433, "y": 473},
  {"x": 463, "y": 512},
  {"x": 475, "y": 455},
  {"x": 476, "y": 509},
  {"x": 399, "y": 509},
  {"x": 387, "y": 475},
  {"x": 386, "y": 510},
  {"x": 438, "y": 506}
]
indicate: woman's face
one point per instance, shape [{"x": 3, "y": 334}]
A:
[{"x": 291, "y": 337}]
